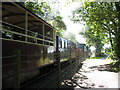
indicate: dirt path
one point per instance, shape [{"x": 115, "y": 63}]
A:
[{"x": 95, "y": 73}]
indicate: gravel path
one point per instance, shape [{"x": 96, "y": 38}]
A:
[{"x": 95, "y": 73}]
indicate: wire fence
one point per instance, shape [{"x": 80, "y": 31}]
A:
[{"x": 26, "y": 73}]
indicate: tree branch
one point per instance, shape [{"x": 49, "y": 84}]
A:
[{"x": 108, "y": 29}]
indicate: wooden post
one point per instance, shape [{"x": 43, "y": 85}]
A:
[
  {"x": 71, "y": 59},
  {"x": 26, "y": 25},
  {"x": 1, "y": 52},
  {"x": 17, "y": 69},
  {"x": 58, "y": 69},
  {"x": 43, "y": 32},
  {"x": 12, "y": 36},
  {"x": 54, "y": 38},
  {"x": 58, "y": 62}
]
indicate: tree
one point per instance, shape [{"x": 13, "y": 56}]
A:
[
  {"x": 59, "y": 24},
  {"x": 70, "y": 36},
  {"x": 117, "y": 40},
  {"x": 93, "y": 39},
  {"x": 43, "y": 10},
  {"x": 106, "y": 17}
]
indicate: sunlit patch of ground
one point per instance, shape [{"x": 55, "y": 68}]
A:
[{"x": 95, "y": 73}]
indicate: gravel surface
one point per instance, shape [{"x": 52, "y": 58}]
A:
[{"x": 95, "y": 73}]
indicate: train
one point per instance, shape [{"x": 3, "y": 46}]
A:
[{"x": 37, "y": 44}]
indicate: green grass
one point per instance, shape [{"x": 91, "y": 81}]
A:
[{"x": 96, "y": 57}]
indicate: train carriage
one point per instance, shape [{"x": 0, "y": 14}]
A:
[
  {"x": 35, "y": 41},
  {"x": 23, "y": 30}
]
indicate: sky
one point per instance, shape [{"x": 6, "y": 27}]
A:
[{"x": 75, "y": 28}]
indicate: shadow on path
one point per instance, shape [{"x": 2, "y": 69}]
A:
[
  {"x": 93, "y": 74},
  {"x": 105, "y": 67}
]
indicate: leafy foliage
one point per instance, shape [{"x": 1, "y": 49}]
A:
[
  {"x": 45, "y": 11},
  {"x": 71, "y": 36},
  {"x": 104, "y": 20},
  {"x": 59, "y": 24},
  {"x": 93, "y": 39},
  {"x": 40, "y": 9}
]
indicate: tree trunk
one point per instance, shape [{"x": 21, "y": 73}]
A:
[
  {"x": 111, "y": 42},
  {"x": 117, "y": 50},
  {"x": 98, "y": 50}
]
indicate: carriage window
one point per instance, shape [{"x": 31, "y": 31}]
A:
[
  {"x": 60, "y": 43},
  {"x": 64, "y": 44}
]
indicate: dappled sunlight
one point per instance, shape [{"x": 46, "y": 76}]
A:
[
  {"x": 96, "y": 62},
  {"x": 43, "y": 61},
  {"x": 98, "y": 72},
  {"x": 95, "y": 73}
]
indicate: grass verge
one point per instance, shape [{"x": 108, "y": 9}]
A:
[{"x": 96, "y": 57}]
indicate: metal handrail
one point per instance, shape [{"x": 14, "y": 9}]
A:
[
  {"x": 36, "y": 34},
  {"x": 12, "y": 32}
]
